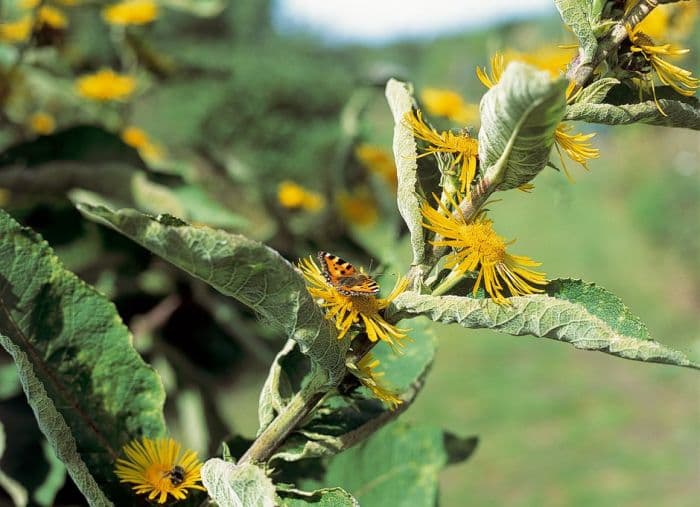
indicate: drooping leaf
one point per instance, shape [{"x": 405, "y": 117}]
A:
[
  {"x": 679, "y": 114},
  {"x": 90, "y": 390},
  {"x": 249, "y": 271},
  {"x": 584, "y": 315},
  {"x": 581, "y": 16},
  {"x": 595, "y": 92},
  {"x": 344, "y": 421},
  {"x": 398, "y": 466},
  {"x": 518, "y": 118},
  {"x": 400, "y": 100},
  {"x": 326, "y": 497},
  {"x": 238, "y": 485}
]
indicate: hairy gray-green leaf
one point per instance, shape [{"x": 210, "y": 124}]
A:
[
  {"x": 246, "y": 270},
  {"x": 398, "y": 466},
  {"x": 89, "y": 389},
  {"x": 400, "y": 100},
  {"x": 580, "y": 16},
  {"x": 518, "y": 119},
  {"x": 342, "y": 422},
  {"x": 326, "y": 497},
  {"x": 572, "y": 311},
  {"x": 679, "y": 114},
  {"x": 595, "y": 92},
  {"x": 232, "y": 485}
]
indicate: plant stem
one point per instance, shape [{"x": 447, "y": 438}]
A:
[{"x": 452, "y": 279}]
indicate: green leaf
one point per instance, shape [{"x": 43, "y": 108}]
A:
[
  {"x": 89, "y": 389},
  {"x": 203, "y": 8},
  {"x": 17, "y": 493},
  {"x": 238, "y": 485},
  {"x": 398, "y": 466},
  {"x": 400, "y": 100},
  {"x": 581, "y": 16},
  {"x": 680, "y": 114},
  {"x": 584, "y": 315},
  {"x": 518, "y": 119},
  {"x": 595, "y": 92},
  {"x": 246, "y": 270},
  {"x": 326, "y": 497},
  {"x": 343, "y": 421}
]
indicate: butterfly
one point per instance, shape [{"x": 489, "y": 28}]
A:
[{"x": 345, "y": 278}]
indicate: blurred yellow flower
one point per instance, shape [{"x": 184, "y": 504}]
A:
[
  {"x": 358, "y": 207},
  {"x": 477, "y": 247},
  {"x": 576, "y": 146},
  {"x": 379, "y": 161},
  {"x": 159, "y": 468},
  {"x": 4, "y": 196},
  {"x": 347, "y": 311},
  {"x": 674, "y": 21},
  {"x": 447, "y": 103},
  {"x": 16, "y": 31},
  {"x": 131, "y": 12},
  {"x": 293, "y": 196},
  {"x": 106, "y": 85},
  {"x": 52, "y": 17},
  {"x": 42, "y": 123},
  {"x": 28, "y": 4},
  {"x": 462, "y": 147},
  {"x": 370, "y": 378},
  {"x": 137, "y": 138}
]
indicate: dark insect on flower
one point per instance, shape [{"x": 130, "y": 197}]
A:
[{"x": 176, "y": 475}]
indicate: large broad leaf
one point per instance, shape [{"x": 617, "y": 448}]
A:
[
  {"x": 405, "y": 152},
  {"x": 518, "y": 119},
  {"x": 587, "y": 316},
  {"x": 249, "y": 271},
  {"x": 398, "y": 466},
  {"x": 325, "y": 497},
  {"x": 234, "y": 485},
  {"x": 344, "y": 421},
  {"x": 680, "y": 114},
  {"x": 90, "y": 390},
  {"x": 581, "y": 16}
]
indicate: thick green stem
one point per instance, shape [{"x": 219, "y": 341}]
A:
[{"x": 452, "y": 279}]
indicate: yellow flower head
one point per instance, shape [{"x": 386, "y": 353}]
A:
[
  {"x": 378, "y": 161},
  {"x": 463, "y": 148},
  {"x": 447, "y": 103},
  {"x": 370, "y": 378},
  {"x": 477, "y": 247},
  {"x": 359, "y": 207},
  {"x": 42, "y": 123},
  {"x": 52, "y": 17},
  {"x": 131, "y": 12},
  {"x": 681, "y": 80},
  {"x": 16, "y": 31},
  {"x": 137, "y": 138},
  {"x": 28, "y": 4},
  {"x": 346, "y": 311},
  {"x": 106, "y": 85},
  {"x": 159, "y": 468},
  {"x": 293, "y": 196}
]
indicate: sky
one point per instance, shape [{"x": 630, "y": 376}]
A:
[{"x": 378, "y": 21}]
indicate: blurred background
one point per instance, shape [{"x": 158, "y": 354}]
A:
[{"x": 268, "y": 118}]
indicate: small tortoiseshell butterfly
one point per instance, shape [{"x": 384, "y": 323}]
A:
[{"x": 345, "y": 278}]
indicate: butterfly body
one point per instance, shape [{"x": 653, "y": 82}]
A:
[{"x": 345, "y": 278}]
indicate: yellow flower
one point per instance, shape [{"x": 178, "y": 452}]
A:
[
  {"x": 137, "y": 138},
  {"x": 477, "y": 247},
  {"x": 346, "y": 311},
  {"x": 462, "y": 147},
  {"x": 366, "y": 374},
  {"x": 378, "y": 161},
  {"x": 28, "y": 4},
  {"x": 131, "y": 12},
  {"x": 159, "y": 468},
  {"x": 42, "y": 123},
  {"x": 52, "y": 17},
  {"x": 679, "y": 79},
  {"x": 293, "y": 196},
  {"x": 359, "y": 207},
  {"x": 106, "y": 85},
  {"x": 576, "y": 146},
  {"x": 16, "y": 31},
  {"x": 440, "y": 102}
]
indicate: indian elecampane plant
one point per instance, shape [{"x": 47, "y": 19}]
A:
[{"x": 101, "y": 406}]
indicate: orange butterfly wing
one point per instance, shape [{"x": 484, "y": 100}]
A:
[{"x": 345, "y": 278}]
